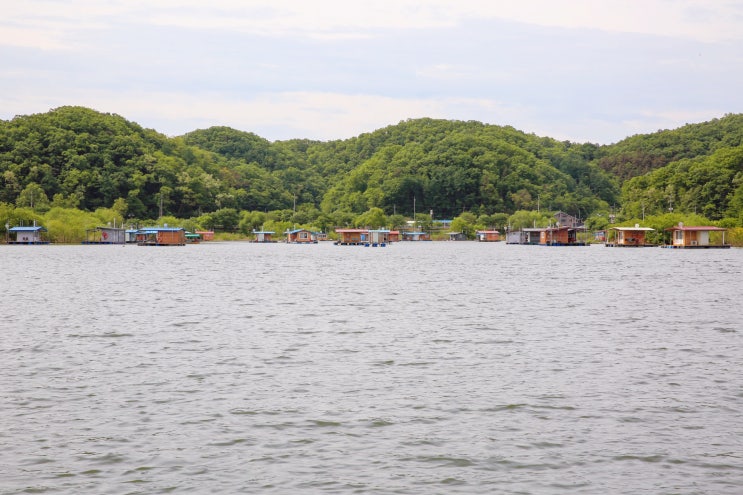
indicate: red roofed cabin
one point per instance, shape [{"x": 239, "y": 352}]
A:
[
  {"x": 206, "y": 235},
  {"x": 695, "y": 237}
]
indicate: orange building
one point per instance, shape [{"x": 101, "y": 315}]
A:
[
  {"x": 560, "y": 236},
  {"x": 352, "y": 237},
  {"x": 629, "y": 236},
  {"x": 695, "y": 237},
  {"x": 161, "y": 236},
  {"x": 488, "y": 235}
]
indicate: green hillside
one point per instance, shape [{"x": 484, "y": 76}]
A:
[{"x": 77, "y": 158}]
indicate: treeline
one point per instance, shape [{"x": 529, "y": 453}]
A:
[{"x": 74, "y": 158}]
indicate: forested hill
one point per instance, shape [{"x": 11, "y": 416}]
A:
[
  {"x": 643, "y": 153},
  {"x": 77, "y": 157},
  {"x": 446, "y": 166}
]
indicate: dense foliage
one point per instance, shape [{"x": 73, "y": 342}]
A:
[
  {"x": 643, "y": 153},
  {"x": 74, "y": 158}
]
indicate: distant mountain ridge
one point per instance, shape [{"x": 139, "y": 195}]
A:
[{"x": 79, "y": 157}]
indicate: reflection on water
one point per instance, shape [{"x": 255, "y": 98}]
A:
[{"x": 415, "y": 369}]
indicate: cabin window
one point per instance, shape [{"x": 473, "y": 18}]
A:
[{"x": 679, "y": 235}]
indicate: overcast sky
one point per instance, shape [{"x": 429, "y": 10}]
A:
[{"x": 579, "y": 70}]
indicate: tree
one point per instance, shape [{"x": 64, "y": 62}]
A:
[
  {"x": 396, "y": 221},
  {"x": 465, "y": 223},
  {"x": 225, "y": 219},
  {"x": 528, "y": 219},
  {"x": 34, "y": 197},
  {"x": 373, "y": 218},
  {"x": 251, "y": 220}
]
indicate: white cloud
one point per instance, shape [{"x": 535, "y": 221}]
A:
[
  {"x": 50, "y": 24},
  {"x": 566, "y": 69}
]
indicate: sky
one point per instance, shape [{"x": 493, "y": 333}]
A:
[{"x": 580, "y": 70}]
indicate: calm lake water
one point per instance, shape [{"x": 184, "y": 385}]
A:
[{"x": 420, "y": 368}]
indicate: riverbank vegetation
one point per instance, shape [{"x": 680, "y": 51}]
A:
[{"x": 72, "y": 169}]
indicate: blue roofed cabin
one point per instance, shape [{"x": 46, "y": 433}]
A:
[
  {"x": 301, "y": 236},
  {"x": 27, "y": 235},
  {"x": 161, "y": 236}
]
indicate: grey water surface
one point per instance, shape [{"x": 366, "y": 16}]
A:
[{"x": 419, "y": 368}]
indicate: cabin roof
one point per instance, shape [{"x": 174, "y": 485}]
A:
[
  {"x": 35, "y": 228},
  {"x": 625, "y": 229},
  {"x": 264, "y": 232},
  {"x": 350, "y": 230},
  {"x": 696, "y": 229},
  {"x": 154, "y": 230},
  {"x": 488, "y": 232},
  {"x": 564, "y": 227}
]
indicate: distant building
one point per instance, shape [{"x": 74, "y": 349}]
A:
[
  {"x": 352, "y": 237},
  {"x": 263, "y": 236},
  {"x": 695, "y": 237},
  {"x": 301, "y": 236},
  {"x": 27, "y": 235},
  {"x": 560, "y": 236},
  {"x": 524, "y": 236},
  {"x": 161, "y": 236},
  {"x": 565, "y": 220},
  {"x": 379, "y": 237},
  {"x": 629, "y": 236},
  {"x": 416, "y": 236},
  {"x": 206, "y": 235},
  {"x": 105, "y": 235},
  {"x": 488, "y": 235}
]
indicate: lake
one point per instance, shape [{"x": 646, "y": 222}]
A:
[{"x": 418, "y": 368}]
